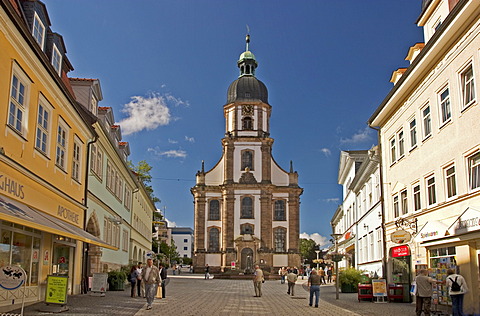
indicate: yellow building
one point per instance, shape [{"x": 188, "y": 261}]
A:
[{"x": 44, "y": 135}]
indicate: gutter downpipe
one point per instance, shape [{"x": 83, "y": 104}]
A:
[
  {"x": 382, "y": 204},
  {"x": 84, "y": 287}
]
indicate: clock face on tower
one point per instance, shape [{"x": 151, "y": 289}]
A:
[{"x": 247, "y": 110}]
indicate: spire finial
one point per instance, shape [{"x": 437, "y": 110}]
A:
[
  {"x": 203, "y": 166},
  {"x": 291, "y": 166},
  {"x": 247, "y": 39}
]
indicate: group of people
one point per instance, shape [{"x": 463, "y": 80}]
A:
[
  {"x": 456, "y": 285},
  {"x": 146, "y": 280}
]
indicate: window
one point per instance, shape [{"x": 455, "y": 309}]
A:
[
  {"x": 393, "y": 150},
  {"x": 450, "y": 181},
  {"x": 370, "y": 248},
  {"x": 110, "y": 176},
  {"x": 474, "y": 170},
  {"x": 247, "y": 207},
  {"x": 38, "y": 31},
  {"x": 43, "y": 125},
  {"x": 280, "y": 235},
  {"x": 185, "y": 248},
  {"x": 128, "y": 198},
  {"x": 18, "y": 103},
  {"x": 396, "y": 210},
  {"x": 185, "y": 240},
  {"x": 416, "y": 197},
  {"x": 432, "y": 198},
  {"x": 445, "y": 106},
  {"x": 76, "y": 167},
  {"x": 413, "y": 133},
  {"x": 125, "y": 240},
  {"x": 379, "y": 243},
  {"x": 214, "y": 239},
  {"x": 427, "y": 122},
  {"x": 247, "y": 159},
  {"x": 403, "y": 196},
  {"x": 246, "y": 229},
  {"x": 214, "y": 210},
  {"x": 60, "y": 156},
  {"x": 279, "y": 214},
  {"x": 401, "y": 144},
  {"x": 468, "y": 87},
  {"x": 96, "y": 162},
  {"x": 56, "y": 59},
  {"x": 247, "y": 123}
]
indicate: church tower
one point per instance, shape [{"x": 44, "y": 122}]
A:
[{"x": 247, "y": 208}]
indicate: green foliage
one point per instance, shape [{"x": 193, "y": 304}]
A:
[
  {"x": 116, "y": 279},
  {"x": 187, "y": 261},
  {"x": 350, "y": 276},
  {"x": 307, "y": 249},
  {"x": 169, "y": 251},
  {"x": 142, "y": 170}
]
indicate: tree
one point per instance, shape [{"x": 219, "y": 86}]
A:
[
  {"x": 307, "y": 249},
  {"x": 142, "y": 170},
  {"x": 169, "y": 251}
]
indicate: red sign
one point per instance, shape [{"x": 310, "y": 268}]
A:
[{"x": 400, "y": 251}]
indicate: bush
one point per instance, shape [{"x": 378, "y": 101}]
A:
[
  {"x": 116, "y": 280},
  {"x": 350, "y": 278}
]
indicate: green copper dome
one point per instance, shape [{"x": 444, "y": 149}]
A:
[{"x": 246, "y": 55}]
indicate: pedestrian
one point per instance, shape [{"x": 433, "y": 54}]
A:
[
  {"x": 313, "y": 283},
  {"x": 174, "y": 268},
  {"x": 329, "y": 275},
  {"x": 424, "y": 292},
  {"x": 291, "y": 279},
  {"x": 133, "y": 280},
  {"x": 163, "y": 277},
  {"x": 321, "y": 273},
  {"x": 258, "y": 279},
  {"x": 207, "y": 272},
  {"x": 457, "y": 287},
  {"x": 151, "y": 279},
  {"x": 140, "y": 285}
]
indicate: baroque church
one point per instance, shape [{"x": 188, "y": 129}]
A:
[{"x": 247, "y": 208}]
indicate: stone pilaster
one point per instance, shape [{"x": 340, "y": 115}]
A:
[
  {"x": 228, "y": 149},
  {"x": 199, "y": 222},
  {"x": 266, "y": 220},
  {"x": 293, "y": 222},
  {"x": 228, "y": 220},
  {"x": 267, "y": 161}
]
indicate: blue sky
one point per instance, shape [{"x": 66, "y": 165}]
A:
[{"x": 165, "y": 66}]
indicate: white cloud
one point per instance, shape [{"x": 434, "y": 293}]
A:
[
  {"x": 176, "y": 101},
  {"x": 163, "y": 86},
  {"x": 168, "y": 153},
  {"x": 330, "y": 200},
  {"x": 359, "y": 137},
  {"x": 319, "y": 239},
  {"x": 190, "y": 139},
  {"x": 145, "y": 113},
  {"x": 326, "y": 152},
  {"x": 172, "y": 141},
  {"x": 170, "y": 223}
]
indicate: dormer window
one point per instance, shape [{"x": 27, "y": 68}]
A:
[
  {"x": 56, "y": 59},
  {"x": 38, "y": 31}
]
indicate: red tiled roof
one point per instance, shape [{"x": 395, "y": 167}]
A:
[
  {"x": 123, "y": 143},
  {"x": 115, "y": 126}
]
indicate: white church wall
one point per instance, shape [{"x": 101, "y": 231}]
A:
[
  {"x": 213, "y": 259},
  {"x": 279, "y": 177},
  {"x": 215, "y": 176},
  {"x": 280, "y": 260},
  {"x": 257, "y": 163}
]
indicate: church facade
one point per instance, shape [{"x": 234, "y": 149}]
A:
[{"x": 247, "y": 208}]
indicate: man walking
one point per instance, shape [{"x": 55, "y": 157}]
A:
[
  {"x": 258, "y": 279},
  {"x": 424, "y": 292},
  {"x": 313, "y": 283},
  {"x": 207, "y": 272},
  {"x": 151, "y": 279},
  {"x": 291, "y": 279},
  {"x": 329, "y": 275},
  {"x": 457, "y": 287}
]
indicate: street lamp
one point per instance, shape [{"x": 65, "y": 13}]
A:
[
  {"x": 317, "y": 251},
  {"x": 335, "y": 238}
]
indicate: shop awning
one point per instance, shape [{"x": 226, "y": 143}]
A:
[{"x": 22, "y": 214}]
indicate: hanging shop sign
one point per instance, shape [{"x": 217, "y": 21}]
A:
[
  {"x": 11, "y": 277},
  {"x": 400, "y": 236},
  {"x": 400, "y": 251},
  {"x": 56, "y": 292}
]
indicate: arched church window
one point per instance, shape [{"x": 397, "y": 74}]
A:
[
  {"x": 248, "y": 70},
  {"x": 280, "y": 237},
  {"x": 279, "y": 214},
  {"x": 242, "y": 70},
  {"x": 247, "y": 123},
  {"x": 214, "y": 210},
  {"x": 247, "y": 207},
  {"x": 246, "y": 229},
  {"x": 214, "y": 239},
  {"x": 247, "y": 159}
]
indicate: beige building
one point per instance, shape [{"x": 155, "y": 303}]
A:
[
  {"x": 246, "y": 207},
  {"x": 429, "y": 126}
]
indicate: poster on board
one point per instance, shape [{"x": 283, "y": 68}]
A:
[
  {"x": 379, "y": 287},
  {"x": 11, "y": 277},
  {"x": 99, "y": 282},
  {"x": 56, "y": 292}
]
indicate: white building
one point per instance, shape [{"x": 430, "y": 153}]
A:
[
  {"x": 183, "y": 239},
  {"x": 429, "y": 131}
]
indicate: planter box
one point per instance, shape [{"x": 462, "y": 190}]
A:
[{"x": 348, "y": 288}]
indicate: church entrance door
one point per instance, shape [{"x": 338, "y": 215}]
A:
[{"x": 247, "y": 260}]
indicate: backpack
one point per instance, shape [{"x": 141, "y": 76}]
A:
[{"x": 455, "y": 286}]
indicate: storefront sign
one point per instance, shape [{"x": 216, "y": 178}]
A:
[
  {"x": 431, "y": 230},
  {"x": 379, "y": 287},
  {"x": 67, "y": 214},
  {"x": 400, "y": 251},
  {"x": 46, "y": 257},
  {"x": 400, "y": 236},
  {"x": 99, "y": 282},
  {"x": 469, "y": 221},
  {"x": 56, "y": 292},
  {"x": 11, "y": 277},
  {"x": 11, "y": 187}
]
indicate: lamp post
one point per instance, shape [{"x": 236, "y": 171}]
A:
[
  {"x": 335, "y": 238},
  {"x": 317, "y": 251}
]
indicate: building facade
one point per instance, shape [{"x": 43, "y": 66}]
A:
[
  {"x": 428, "y": 126},
  {"x": 43, "y": 141},
  {"x": 183, "y": 240},
  {"x": 246, "y": 207}
]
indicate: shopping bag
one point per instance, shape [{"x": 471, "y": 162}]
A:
[
  {"x": 159, "y": 292},
  {"x": 413, "y": 288}
]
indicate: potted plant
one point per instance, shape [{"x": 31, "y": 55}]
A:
[
  {"x": 349, "y": 279},
  {"x": 116, "y": 280}
]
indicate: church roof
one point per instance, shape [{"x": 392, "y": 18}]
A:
[{"x": 247, "y": 88}]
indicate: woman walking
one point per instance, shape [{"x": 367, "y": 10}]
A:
[{"x": 133, "y": 279}]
